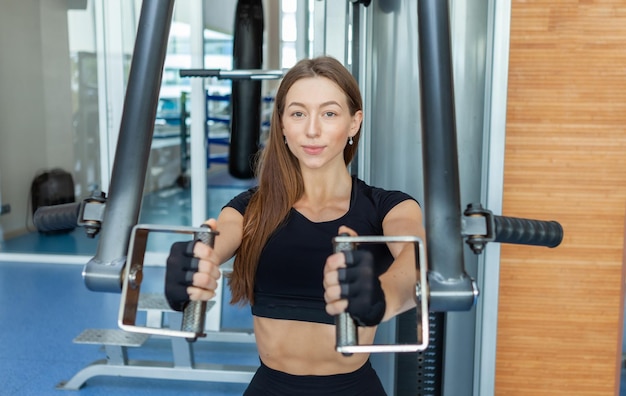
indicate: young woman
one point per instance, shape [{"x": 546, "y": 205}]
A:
[{"x": 281, "y": 236}]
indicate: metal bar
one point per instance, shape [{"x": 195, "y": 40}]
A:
[
  {"x": 194, "y": 315},
  {"x": 133, "y": 276},
  {"x": 182, "y": 353},
  {"x": 116, "y": 354},
  {"x": 103, "y": 271},
  {"x": 161, "y": 370},
  {"x": 345, "y": 328},
  {"x": 451, "y": 288},
  {"x": 239, "y": 74},
  {"x": 348, "y": 345}
]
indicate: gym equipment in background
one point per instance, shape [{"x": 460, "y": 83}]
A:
[
  {"x": 448, "y": 288},
  {"x": 245, "y": 121},
  {"x": 50, "y": 188},
  {"x": 444, "y": 286}
]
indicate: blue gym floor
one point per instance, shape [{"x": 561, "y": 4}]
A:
[{"x": 45, "y": 305}]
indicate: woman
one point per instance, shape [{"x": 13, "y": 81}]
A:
[{"x": 281, "y": 234}]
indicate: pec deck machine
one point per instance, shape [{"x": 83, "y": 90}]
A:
[{"x": 118, "y": 265}]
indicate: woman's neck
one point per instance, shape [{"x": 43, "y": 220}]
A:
[
  {"x": 326, "y": 197},
  {"x": 327, "y": 186}
]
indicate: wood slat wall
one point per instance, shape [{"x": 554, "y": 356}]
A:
[{"x": 560, "y": 310}]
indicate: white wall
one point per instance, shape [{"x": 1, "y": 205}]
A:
[
  {"x": 35, "y": 105},
  {"x": 57, "y": 97},
  {"x": 219, "y": 15},
  {"x": 36, "y": 131}
]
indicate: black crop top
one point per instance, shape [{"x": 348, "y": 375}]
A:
[{"x": 288, "y": 283}]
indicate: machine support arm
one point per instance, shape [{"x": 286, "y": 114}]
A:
[
  {"x": 451, "y": 289},
  {"x": 103, "y": 272}
]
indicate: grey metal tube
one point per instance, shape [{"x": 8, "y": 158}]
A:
[
  {"x": 103, "y": 272},
  {"x": 451, "y": 288}
]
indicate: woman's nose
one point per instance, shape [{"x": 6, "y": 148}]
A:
[{"x": 313, "y": 128}]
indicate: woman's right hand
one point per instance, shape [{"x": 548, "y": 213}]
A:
[{"x": 192, "y": 272}]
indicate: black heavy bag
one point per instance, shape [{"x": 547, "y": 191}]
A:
[
  {"x": 246, "y": 94},
  {"x": 52, "y": 187}
]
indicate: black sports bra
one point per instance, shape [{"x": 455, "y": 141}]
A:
[{"x": 288, "y": 283}]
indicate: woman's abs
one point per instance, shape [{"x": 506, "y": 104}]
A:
[{"x": 305, "y": 348}]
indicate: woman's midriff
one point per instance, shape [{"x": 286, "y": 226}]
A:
[{"x": 304, "y": 348}]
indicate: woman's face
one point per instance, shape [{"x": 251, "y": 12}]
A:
[{"x": 317, "y": 122}]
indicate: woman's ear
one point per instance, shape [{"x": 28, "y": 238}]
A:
[{"x": 357, "y": 118}]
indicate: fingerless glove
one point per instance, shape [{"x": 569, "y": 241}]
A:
[
  {"x": 181, "y": 265},
  {"x": 361, "y": 287}
]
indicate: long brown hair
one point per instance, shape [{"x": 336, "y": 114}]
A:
[{"x": 279, "y": 176}]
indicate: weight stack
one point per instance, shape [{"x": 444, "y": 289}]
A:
[{"x": 420, "y": 374}]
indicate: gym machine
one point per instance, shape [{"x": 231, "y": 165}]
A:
[{"x": 444, "y": 284}]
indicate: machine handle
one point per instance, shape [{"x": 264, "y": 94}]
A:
[
  {"x": 346, "y": 332},
  {"x": 527, "y": 232},
  {"x": 87, "y": 213},
  {"x": 194, "y": 314},
  {"x": 199, "y": 72},
  {"x": 481, "y": 226},
  {"x": 345, "y": 327},
  {"x": 56, "y": 217}
]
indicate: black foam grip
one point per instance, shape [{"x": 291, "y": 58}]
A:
[
  {"x": 527, "y": 232},
  {"x": 199, "y": 73},
  {"x": 56, "y": 217},
  {"x": 246, "y": 94}
]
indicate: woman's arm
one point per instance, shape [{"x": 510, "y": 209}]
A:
[
  {"x": 399, "y": 281},
  {"x": 229, "y": 224}
]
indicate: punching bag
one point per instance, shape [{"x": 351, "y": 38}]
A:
[{"x": 245, "y": 124}]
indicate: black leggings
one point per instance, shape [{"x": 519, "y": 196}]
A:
[{"x": 270, "y": 382}]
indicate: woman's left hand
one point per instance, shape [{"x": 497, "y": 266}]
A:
[{"x": 332, "y": 289}]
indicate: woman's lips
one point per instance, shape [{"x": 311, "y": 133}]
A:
[{"x": 313, "y": 150}]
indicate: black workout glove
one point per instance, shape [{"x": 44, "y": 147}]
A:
[
  {"x": 181, "y": 265},
  {"x": 360, "y": 285}
]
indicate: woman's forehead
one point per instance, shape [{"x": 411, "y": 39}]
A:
[{"x": 315, "y": 90}]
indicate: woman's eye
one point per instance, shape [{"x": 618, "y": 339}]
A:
[
  {"x": 297, "y": 114},
  {"x": 329, "y": 114}
]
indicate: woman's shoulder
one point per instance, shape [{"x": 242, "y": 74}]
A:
[
  {"x": 240, "y": 202},
  {"x": 383, "y": 200},
  {"x": 378, "y": 193}
]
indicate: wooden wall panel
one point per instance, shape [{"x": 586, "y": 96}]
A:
[{"x": 560, "y": 310}]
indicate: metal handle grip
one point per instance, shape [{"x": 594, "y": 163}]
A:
[
  {"x": 194, "y": 314},
  {"x": 345, "y": 327},
  {"x": 56, "y": 217},
  {"x": 527, "y": 232},
  {"x": 346, "y": 342}
]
